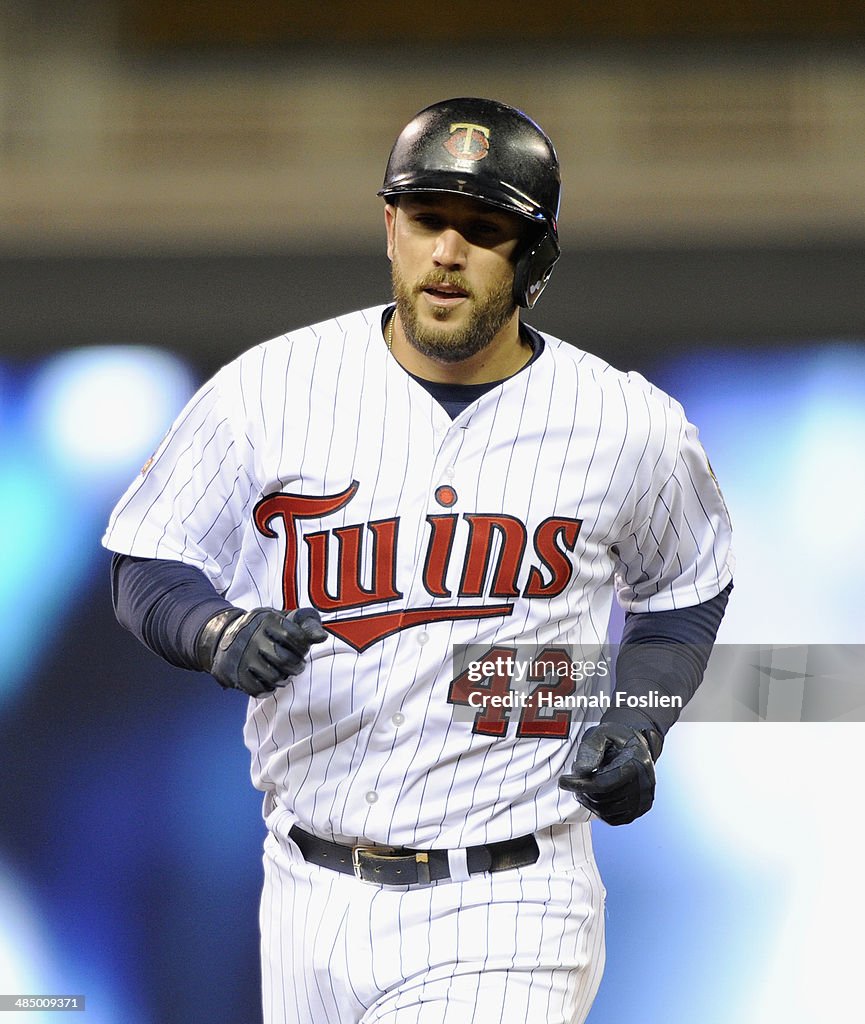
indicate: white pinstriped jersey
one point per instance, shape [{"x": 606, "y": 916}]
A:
[{"x": 313, "y": 470}]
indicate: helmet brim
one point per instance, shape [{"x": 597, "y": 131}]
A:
[{"x": 503, "y": 198}]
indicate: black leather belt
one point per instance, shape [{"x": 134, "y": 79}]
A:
[{"x": 395, "y": 865}]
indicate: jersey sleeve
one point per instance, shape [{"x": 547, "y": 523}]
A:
[
  {"x": 190, "y": 500},
  {"x": 680, "y": 553}
]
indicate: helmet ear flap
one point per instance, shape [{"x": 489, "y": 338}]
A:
[{"x": 533, "y": 269}]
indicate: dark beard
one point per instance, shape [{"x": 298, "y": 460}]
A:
[{"x": 486, "y": 320}]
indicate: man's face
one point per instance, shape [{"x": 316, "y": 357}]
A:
[{"x": 453, "y": 272}]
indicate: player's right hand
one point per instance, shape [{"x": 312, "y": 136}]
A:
[{"x": 259, "y": 650}]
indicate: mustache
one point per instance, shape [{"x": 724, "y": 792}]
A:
[{"x": 442, "y": 277}]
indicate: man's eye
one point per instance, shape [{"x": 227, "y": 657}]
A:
[{"x": 486, "y": 232}]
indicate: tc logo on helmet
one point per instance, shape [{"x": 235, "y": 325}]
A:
[{"x": 468, "y": 141}]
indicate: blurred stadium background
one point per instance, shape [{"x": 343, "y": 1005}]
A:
[{"x": 180, "y": 181}]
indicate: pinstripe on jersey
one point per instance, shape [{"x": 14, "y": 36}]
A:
[
  {"x": 522, "y": 946},
  {"x": 308, "y": 470}
]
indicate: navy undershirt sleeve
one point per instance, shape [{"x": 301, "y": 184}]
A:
[
  {"x": 164, "y": 603},
  {"x": 665, "y": 653}
]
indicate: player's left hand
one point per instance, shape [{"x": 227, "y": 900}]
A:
[{"x": 613, "y": 774}]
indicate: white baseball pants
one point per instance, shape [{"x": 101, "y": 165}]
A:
[{"x": 521, "y": 946}]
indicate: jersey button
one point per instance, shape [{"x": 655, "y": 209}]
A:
[
  {"x": 371, "y": 796},
  {"x": 398, "y": 719},
  {"x": 422, "y": 638}
]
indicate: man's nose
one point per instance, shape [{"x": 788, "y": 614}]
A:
[{"x": 450, "y": 249}]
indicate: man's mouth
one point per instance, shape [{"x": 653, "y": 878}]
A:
[{"x": 445, "y": 294}]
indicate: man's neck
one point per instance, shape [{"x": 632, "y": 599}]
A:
[{"x": 506, "y": 354}]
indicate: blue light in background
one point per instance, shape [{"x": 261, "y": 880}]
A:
[
  {"x": 785, "y": 432},
  {"x": 33, "y": 962},
  {"x": 736, "y": 898},
  {"x": 98, "y": 412},
  {"x": 74, "y": 432},
  {"x": 25, "y": 955}
]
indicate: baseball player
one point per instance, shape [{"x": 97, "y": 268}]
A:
[{"x": 339, "y": 508}]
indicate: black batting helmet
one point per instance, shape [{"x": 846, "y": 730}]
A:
[{"x": 495, "y": 153}]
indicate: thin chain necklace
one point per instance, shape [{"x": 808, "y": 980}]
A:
[{"x": 389, "y": 331}]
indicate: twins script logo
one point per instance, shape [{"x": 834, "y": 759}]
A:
[{"x": 349, "y": 555}]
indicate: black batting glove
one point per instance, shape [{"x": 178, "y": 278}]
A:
[
  {"x": 258, "y": 650},
  {"x": 613, "y": 774}
]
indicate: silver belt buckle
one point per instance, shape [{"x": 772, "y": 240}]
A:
[
  {"x": 421, "y": 859},
  {"x": 356, "y": 851},
  {"x": 382, "y": 851}
]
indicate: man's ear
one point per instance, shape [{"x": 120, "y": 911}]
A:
[{"x": 389, "y": 222}]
